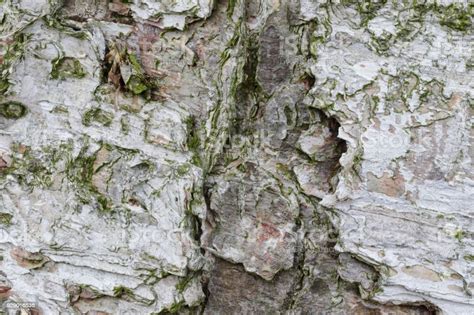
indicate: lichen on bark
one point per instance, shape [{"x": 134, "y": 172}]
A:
[{"x": 237, "y": 156}]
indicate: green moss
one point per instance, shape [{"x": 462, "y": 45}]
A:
[
  {"x": 382, "y": 43},
  {"x": 53, "y": 21},
  {"x": 81, "y": 169},
  {"x": 136, "y": 84},
  {"x": 176, "y": 307},
  {"x": 12, "y": 110},
  {"x": 183, "y": 283},
  {"x": 470, "y": 63},
  {"x": 469, "y": 258},
  {"x": 173, "y": 309},
  {"x": 225, "y": 55},
  {"x": 122, "y": 291},
  {"x": 403, "y": 33},
  {"x": 104, "y": 93},
  {"x": 196, "y": 160},
  {"x": 124, "y": 125},
  {"x": 13, "y": 53},
  {"x": 4, "y": 85},
  {"x": 183, "y": 169},
  {"x": 104, "y": 204},
  {"x": 139, "y": 83},
  {"x": 33, "y": 169},
  {"x": 370, "y": 6},
  {"x": 283, "y": 169},
  {"x": 5, "y": 218},
  {"x": 314, "y": 42},
  {"x": 193, "y": 141},
  {"x": 367, "y": 8},
  {"x": 80, "y": 172},
  {"x": 38, "y": 168},
  {"x": 133, "y": 59},
  {"x": 230, "y": 8},
  {"x": 97, "y": 115},
  {"x": 67, "y": 68},
  {"x": 235, "y": 38},
  {"x": 456, "y": 17},
  {"x": 459, "y": 235},
  {"x": 91, "y": 291}
]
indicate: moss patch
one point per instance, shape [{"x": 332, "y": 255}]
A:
[
  {"x": 67, "y": 68},
  {"x": 139, "y": 82},
  {"x": 14, "y": 52},
  {"x": 459, "y": 235},
  {"x": 193, "y": 141},
  {"x": 4, "y": 85},
  {"x": 5, "y": 218},
  {"x": 456, "y": 17},
  {"x": 173, "y": 309},
  {"x": 183, "y": 169},
  {"x": 122, "y": 291},
  {"x": 230, "y": 8},
  {"x": 367, "y": 8},
  {"x": 97, "y": 115},
  {"x": 135, "y": 80},
  {"x": 32, "y": 168},
  {"x": 53, "y": 21},
  {"x": 12, "y": 110},
  {"x": 125, "y": 125},
  {"x": 136, "y": 85},
  {"x": 184, "y": 283},
  {"x": 80, "y": 172}
]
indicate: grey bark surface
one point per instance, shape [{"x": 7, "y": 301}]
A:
[{"x": 236, "y": 157}]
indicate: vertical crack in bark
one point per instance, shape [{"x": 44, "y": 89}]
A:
[{"x": 217, "y": 127}]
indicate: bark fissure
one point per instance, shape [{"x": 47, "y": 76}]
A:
[{"x": 236, "y": 157}]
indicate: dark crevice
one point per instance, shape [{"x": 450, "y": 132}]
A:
[
  {"x": 252, "y": 97},
  {"x": 308, "y": 81},
  {"x": 248, "y": 93}
]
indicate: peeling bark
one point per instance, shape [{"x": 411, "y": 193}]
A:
[{"x": 236, "y": 157}]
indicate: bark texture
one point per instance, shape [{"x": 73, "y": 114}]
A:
[{"x": 236, "y": 157}]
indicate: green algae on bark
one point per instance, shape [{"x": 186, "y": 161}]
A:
[
  {"x": 456, "y": 17},
  {"x": 5, "y": 218},
  {"x": 67, "y": 68},
  {"x": 12, "y": 110},
  {"x": 97, "y": 115}
]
